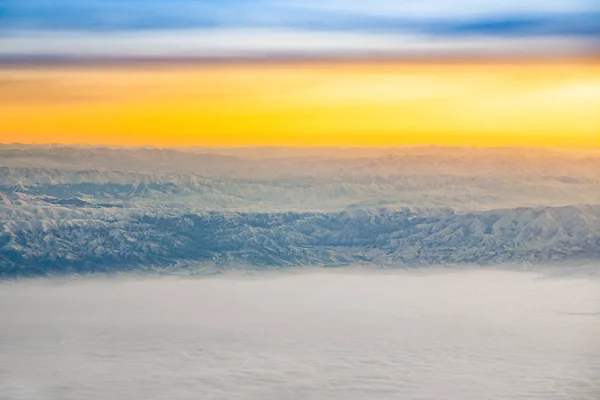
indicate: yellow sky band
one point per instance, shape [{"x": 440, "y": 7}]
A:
[{"x": 305, "y": 104}]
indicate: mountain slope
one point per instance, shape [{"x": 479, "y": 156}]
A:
[{"x": 399, "y": 237}]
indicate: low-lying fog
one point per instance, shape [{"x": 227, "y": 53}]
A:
[{"x": 318, "y": 334}]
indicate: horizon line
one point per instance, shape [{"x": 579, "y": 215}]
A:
[{"x": 405, "y": 146}]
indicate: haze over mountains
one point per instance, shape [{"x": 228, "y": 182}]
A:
[{"x": 82, "y": 209}]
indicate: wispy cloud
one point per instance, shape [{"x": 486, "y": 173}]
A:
[
  {"x": 225, "y": 43},
  {"x": 381, "y": 24}
]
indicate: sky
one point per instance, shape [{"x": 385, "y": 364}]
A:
[
  {"x": 262, "y": 28},
  {"x": 301, "y": 73},
  {"x": 306, "y": 104}
]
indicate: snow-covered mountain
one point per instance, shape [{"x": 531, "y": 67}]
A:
[{"x": 65, "y": 209}]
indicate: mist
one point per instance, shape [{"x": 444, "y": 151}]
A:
[{"x": 347, "y": 333}]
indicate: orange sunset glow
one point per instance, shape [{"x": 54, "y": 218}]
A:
[{"x": 305, "y": 104}]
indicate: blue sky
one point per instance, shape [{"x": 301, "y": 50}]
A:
[{"x": 28, "y": 26}]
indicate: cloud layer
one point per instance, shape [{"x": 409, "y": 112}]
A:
[{"x": 340, "y": 335}]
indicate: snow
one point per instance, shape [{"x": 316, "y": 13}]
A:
[{"x": 78, "y": 209}]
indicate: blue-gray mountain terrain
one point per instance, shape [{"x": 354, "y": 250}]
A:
[{"x": 82, "y": 209}]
